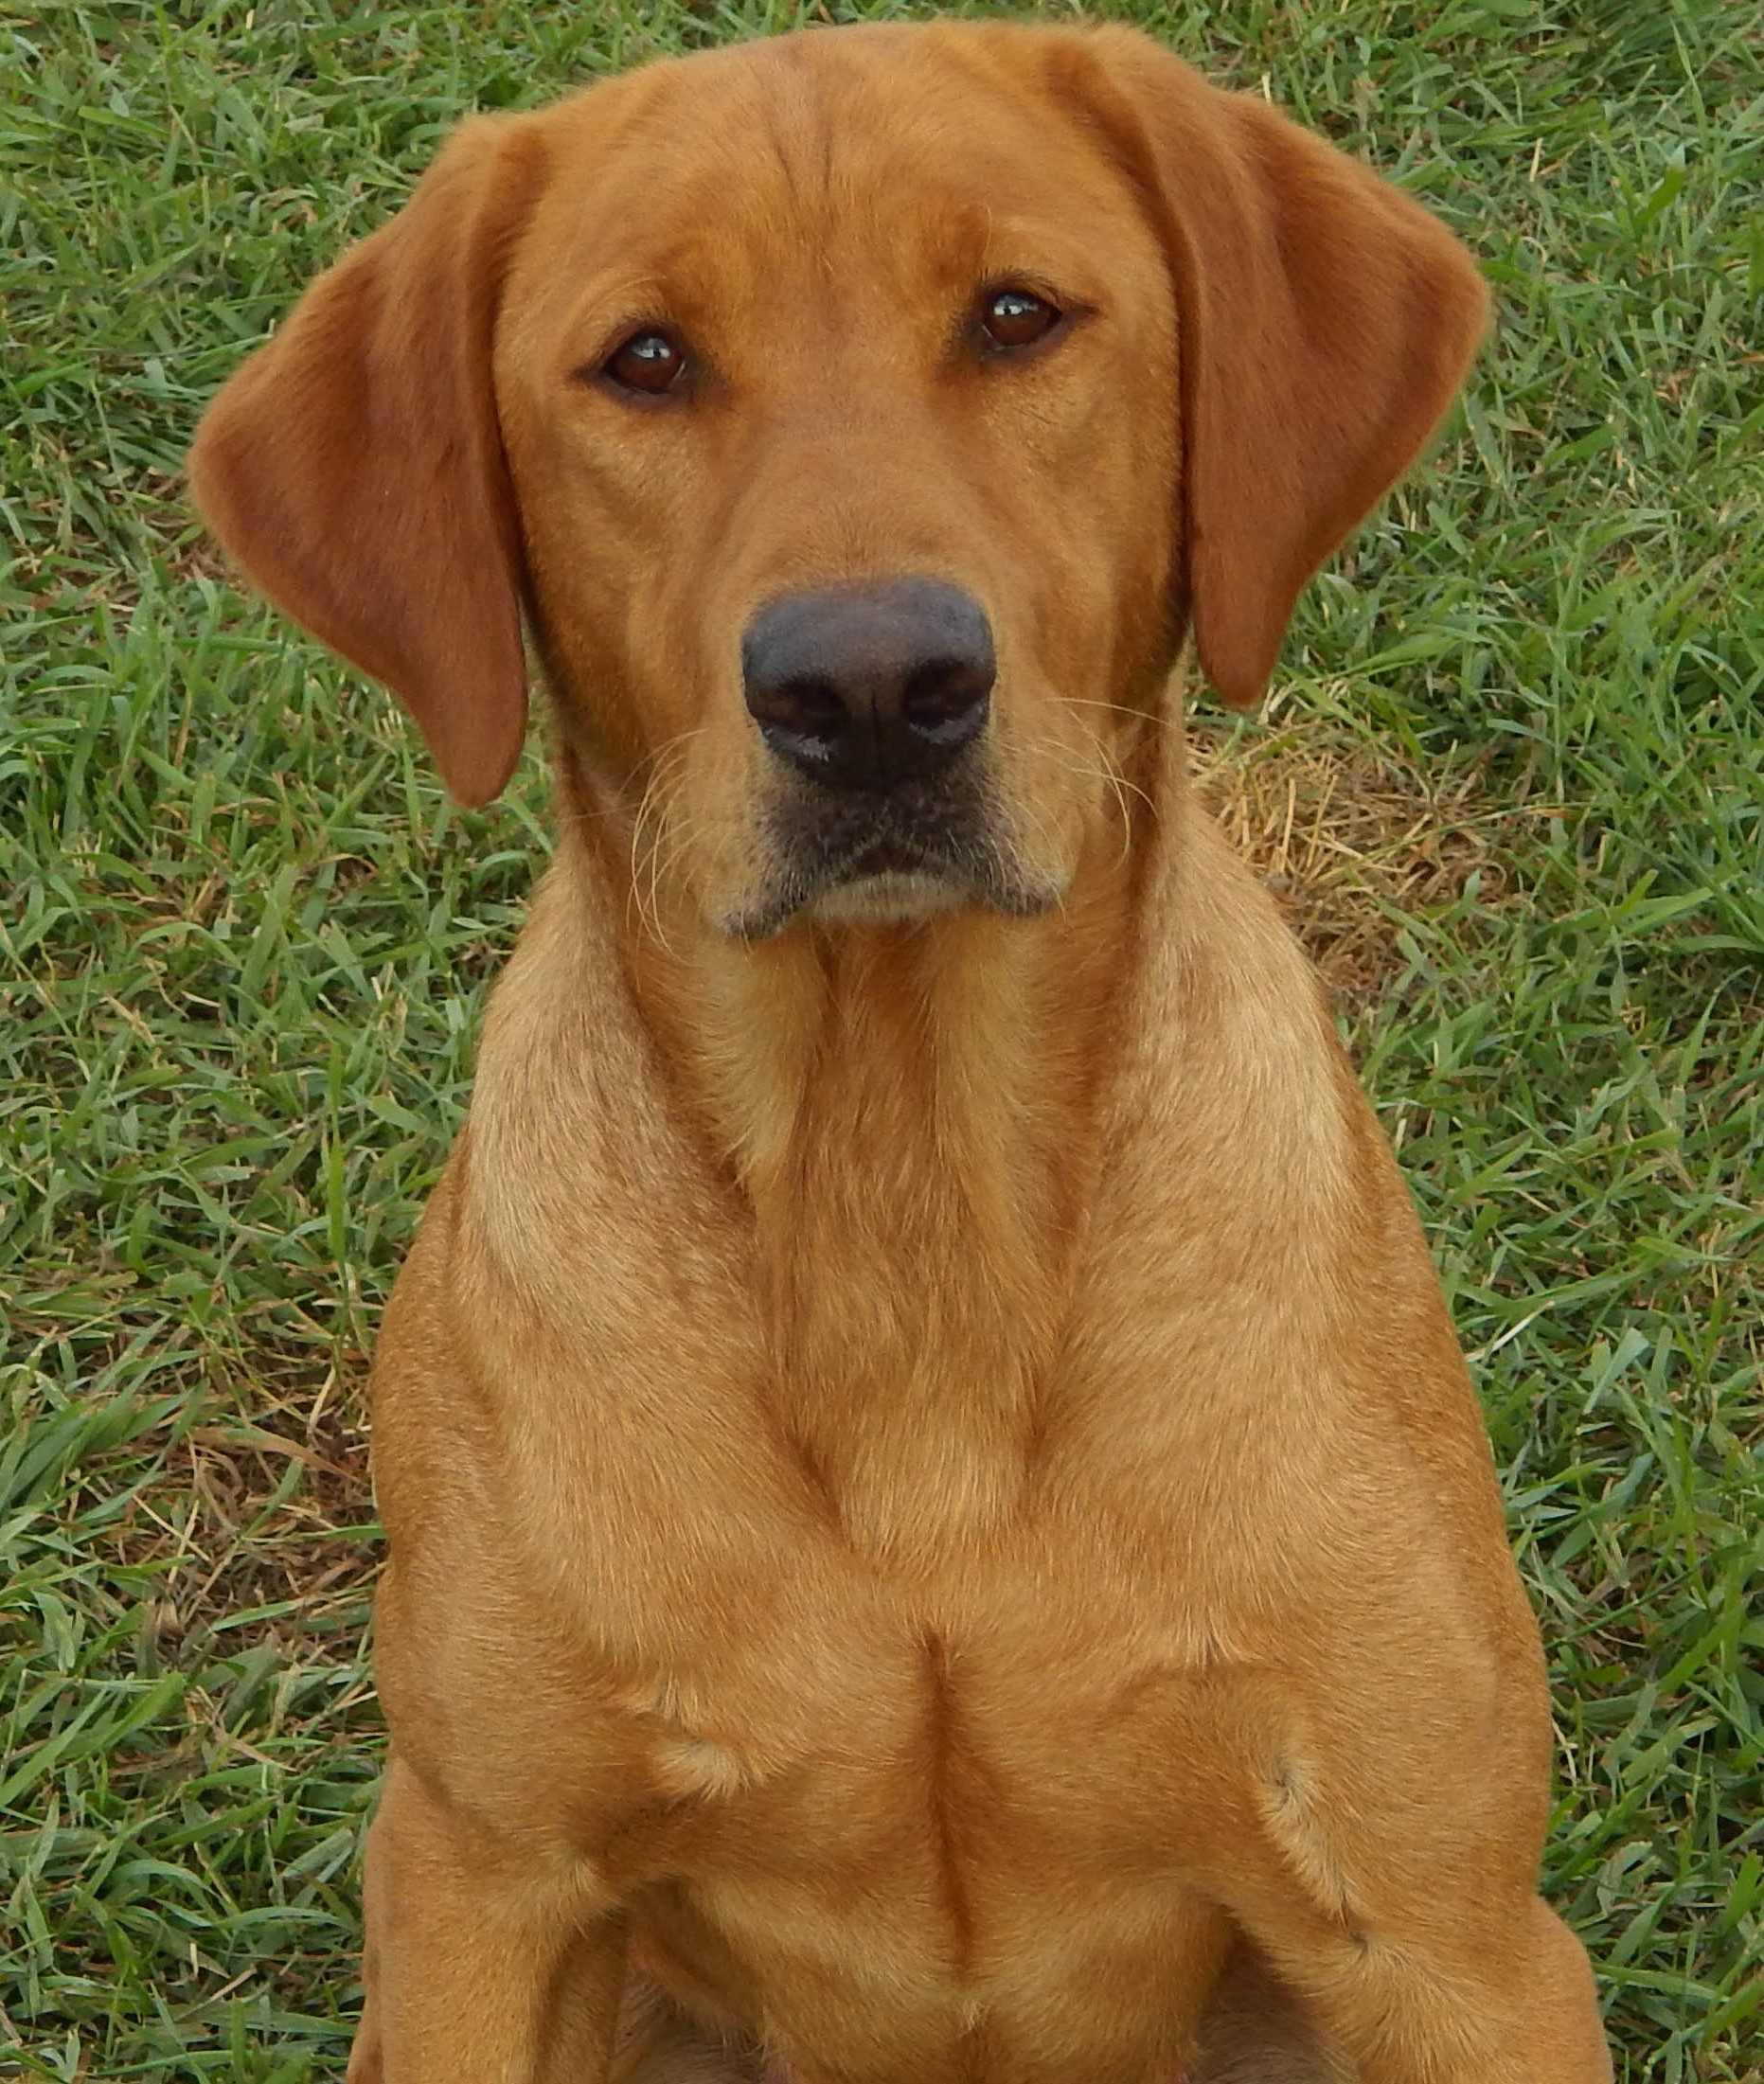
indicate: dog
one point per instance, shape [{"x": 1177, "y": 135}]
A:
[{"x": 939, "y": 1529}]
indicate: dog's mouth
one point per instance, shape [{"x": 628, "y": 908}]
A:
[{"x": 887, "y": 859}]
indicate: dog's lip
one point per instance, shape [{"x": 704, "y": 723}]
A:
[
  {"x": 875, "y": 859},
  {"x": 890, "y": 856},
  {"x": 1013, "y": 897},
  {"x": 914, "y": 840}
]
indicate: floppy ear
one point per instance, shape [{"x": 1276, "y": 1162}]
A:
[
  {"x": 354, "y": 468},
  {"x": 1325, "y": 322}
]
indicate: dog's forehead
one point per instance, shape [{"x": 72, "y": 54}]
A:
[{"x": 899, "y": 152}]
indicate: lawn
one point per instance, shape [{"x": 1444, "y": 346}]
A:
[{"x": 1510, "y": 784}]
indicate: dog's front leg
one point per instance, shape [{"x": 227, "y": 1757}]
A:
[
  {"x": 1462, "y": 1991},
  {"x": 484, "y": 1963}
]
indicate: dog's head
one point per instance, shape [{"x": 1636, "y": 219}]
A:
[{"x": 860, "y": 418}]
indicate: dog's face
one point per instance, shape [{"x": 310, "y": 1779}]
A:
[
  {"x": 842, "y": 445},
  {"x": 860, "y": 418}
]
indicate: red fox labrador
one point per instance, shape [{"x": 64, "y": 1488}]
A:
[{"x": 940, "y": 1533}]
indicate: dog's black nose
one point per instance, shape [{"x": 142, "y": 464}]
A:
[{"x": 865, "y": 687}]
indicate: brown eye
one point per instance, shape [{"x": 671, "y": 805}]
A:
[
  {"x": 649, "y": 361},
  {"x": 1017, "y": 318}
]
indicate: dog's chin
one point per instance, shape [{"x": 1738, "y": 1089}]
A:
[
  {"x": 888, "y": 896},
  {"x": 885, "y": 887}
]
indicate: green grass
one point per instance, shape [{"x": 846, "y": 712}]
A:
[{"x": 243, "y": 946}]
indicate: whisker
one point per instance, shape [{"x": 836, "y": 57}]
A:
[
  {"x": 1126, "y": 710},
  {"x": 1060, "y": 755},
  {"x": 648, "y": 833}
]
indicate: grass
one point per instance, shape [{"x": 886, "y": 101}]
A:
[{"x": 1512, "y": 787}]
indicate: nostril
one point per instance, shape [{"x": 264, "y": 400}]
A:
[
  {"x": 945, "y": 700},
  {"x": 798, "y": 706},
  {"x": 811, "y": 705}
]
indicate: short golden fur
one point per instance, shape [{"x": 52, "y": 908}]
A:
[{"x": 938, "y": 1529}]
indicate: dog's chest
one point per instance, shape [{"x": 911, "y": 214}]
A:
[{"x": 977, "y": 1834}]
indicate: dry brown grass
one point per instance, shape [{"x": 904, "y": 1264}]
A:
[
  {"x": 243, "y": 1511},
  {"x": 1351, "y": 839}
]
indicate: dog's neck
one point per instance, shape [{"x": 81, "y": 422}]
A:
[
  {"x": 909, "y": 1115},
  {"x": 912, "y": 1112}
]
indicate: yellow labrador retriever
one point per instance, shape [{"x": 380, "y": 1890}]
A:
[{"x": 939, "y": 1534}]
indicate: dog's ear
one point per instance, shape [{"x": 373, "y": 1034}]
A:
[
  {"x": 1324, "y": 321},
  {"x": 353, "y": 465}
]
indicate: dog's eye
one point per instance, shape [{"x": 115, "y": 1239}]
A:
[
  {"x": 1017, "y": 318},
  {"x": 649, "y": 361}
]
